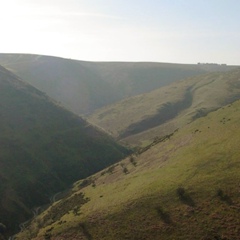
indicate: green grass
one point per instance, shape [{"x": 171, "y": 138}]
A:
[
  {"x": 202, "y": 158},
  {"x": 140, "y": 119}
]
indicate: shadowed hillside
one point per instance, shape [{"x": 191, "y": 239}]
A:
[
  {"x": 140, "y": 119},
  {"x": 183, "y": 187},
  {"x": 44, "y": 148},
  {"x": 85, "y": 86}
]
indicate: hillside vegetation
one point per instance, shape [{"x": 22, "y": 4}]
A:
[
  {"x": 183, "y": 187},
  {"x": 141, "y": 119},
  {"x": 86, "y": 86},
  {"x": 44, "y": 148}
]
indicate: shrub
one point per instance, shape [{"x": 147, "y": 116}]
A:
[
  {"x": 47, "y": 236},
  {"x": 125, "y": 170},
  {"x": 224, "y": 197},
  {"x": 133, "y": 161},
  {"x": 165, "y": 217},
  {"x": 185, "y": 197},
  {"x": 180, "y": 192},
  {"x": 85, "y": 183},
  {"x": 111, "y": 169},
  {"x": 76, "y": 211}
]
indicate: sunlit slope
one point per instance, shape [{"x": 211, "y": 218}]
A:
[
  {"x": 138, "y": 120},
  {"x": 185, "y": 187},
  {"x": 43, "y": 149},
  {"x": 85, "y": 86}
]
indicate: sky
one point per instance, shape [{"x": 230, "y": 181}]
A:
[{"x": 176, "y": 31}]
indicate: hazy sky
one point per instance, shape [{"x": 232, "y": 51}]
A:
[{"x": 181, "y": 31}]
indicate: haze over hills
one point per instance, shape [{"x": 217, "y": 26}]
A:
[
  {"x": 44, "y": 148},
  {"x": 184, "y": 187},
  {"x": 140, "y": 119},
  {"x": 187, "y": 178},
  {"x": 86, "y": 86}
]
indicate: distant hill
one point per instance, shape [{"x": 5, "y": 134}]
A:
[
  {"x": 183, "y": 187},
  {"x": 86, "y": 86},
  {"x": 44, "y": 148},
  {"x": 139, "y": 120}
]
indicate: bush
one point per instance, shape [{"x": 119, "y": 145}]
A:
[
  {"x": 133, "y": 161},
  {"x": 165, "y": 217},
  {"x": 47, "y": 236},
  {"x": 76, "y": 211},
  {"x": 125, "y": 170},
  {"x": 224, "y": 197},
  {"x": 85, "y": 183},
  {"x": 185, "y": 197},
  {"x": 180, "y": 192},
  {"x": 111, "y": 169}
]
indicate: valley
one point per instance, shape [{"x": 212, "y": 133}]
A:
[
  {"x": 44, "y": 149},
  {"x": 185, "y": 187},
  {"x": 94, "y": 150}
]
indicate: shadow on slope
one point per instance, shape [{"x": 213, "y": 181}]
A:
[
  {"x": 168, "y": 111},
  {"x": 142, "y": 118},
  {"x": 44, "y": 148}
]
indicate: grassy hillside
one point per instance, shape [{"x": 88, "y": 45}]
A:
[
  {"x": 184, "y": 187},
  {"x": 44, "y": 148},
  {"x": 140, "y": 119},
  {"x": 85, "y": 86}
]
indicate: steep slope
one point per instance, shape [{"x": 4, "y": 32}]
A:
[
  {"x": 140, "y": 119},
  {"x": 85, "y": 86},
  {"x": 44, "y": 148},
  {"x": 184, "y": 187}
]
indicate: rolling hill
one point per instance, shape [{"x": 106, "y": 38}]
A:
[
  {"x": 141, "y": 119},
  {"x": 84, "y": 87},
  {"x": 44, "y": 149},
  {"x": 184, "y": 187}
]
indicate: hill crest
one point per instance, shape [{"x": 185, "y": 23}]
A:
[{"x": 84, "y": 87}]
